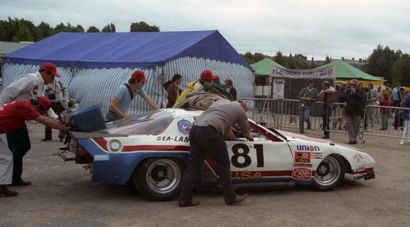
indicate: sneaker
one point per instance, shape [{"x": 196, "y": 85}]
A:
[
  {"x": 402, "y": 142},
  {"x": 5, "y": 192}
]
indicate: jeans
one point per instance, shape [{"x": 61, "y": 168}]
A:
[
  {"x": 304, "y": 115},
  {"x": 19, "y": 143}
]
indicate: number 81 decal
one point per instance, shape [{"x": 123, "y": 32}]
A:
[{"x": 242, "y": 150}]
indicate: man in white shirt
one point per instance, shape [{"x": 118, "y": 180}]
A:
[{"x": 30, "y": 86}]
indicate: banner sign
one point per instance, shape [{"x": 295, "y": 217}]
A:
[{"x": 324, "y": 73}]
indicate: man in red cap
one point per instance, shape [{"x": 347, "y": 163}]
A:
[
  {"x": 125, "y": 94},
  {"x": 13, "y": 116},
  {"x": 29, "y": 86},
  {"x": 206, "y": 76}
]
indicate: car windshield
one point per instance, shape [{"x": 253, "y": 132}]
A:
[{"x": 148, "y": 123}]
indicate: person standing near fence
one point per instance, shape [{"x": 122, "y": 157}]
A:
[
  {"x": 405, "y": 137},
  {"x": 385, "y": 112},
  {"x": 396, "y": 102},
  {"x": 307, "y": 96},
  {"x": 371, "y": 111},
  {"x": 328, "y": 96},
  {"x": 354, "y": 110}
]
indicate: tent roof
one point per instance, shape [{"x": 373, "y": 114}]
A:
[
  {"x": 265, "y": 67},
  {"x": 346, "y": 71},
  {"x": 126, "y": 49}
]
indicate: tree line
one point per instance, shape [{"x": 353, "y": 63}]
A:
[
  {"x": 392, "y": 65},
  {"x": 17, "y": 30}
]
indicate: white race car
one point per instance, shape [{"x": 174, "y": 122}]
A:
[{"x": 151, "y": 150}]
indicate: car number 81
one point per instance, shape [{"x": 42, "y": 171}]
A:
[{"x": 241, "y": 158}]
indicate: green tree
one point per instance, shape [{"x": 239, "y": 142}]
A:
[
  {"x": 44, "y": 30},
  {"x": 142, "y": 26},
  {"x": 93, "y": 29},
  {"x": 279, "y": 58},
  {"x": 109, "y": 28}
]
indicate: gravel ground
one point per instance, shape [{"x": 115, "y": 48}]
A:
[{"x": 62, "y": 194}]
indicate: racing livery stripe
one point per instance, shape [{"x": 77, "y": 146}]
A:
[
  {"x": 155, "y": 148},
  {"x": 103, "y": 144}
]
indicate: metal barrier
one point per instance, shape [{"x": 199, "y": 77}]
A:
[
  {"x": 385, "y": 121},
  {"x": 285, "y": 113}
]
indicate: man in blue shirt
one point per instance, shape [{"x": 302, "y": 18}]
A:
[{"x": 125, "y": 94}]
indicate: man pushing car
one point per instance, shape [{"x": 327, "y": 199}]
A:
[{"x": 13, "y": 116}]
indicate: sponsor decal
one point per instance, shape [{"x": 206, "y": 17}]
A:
[
  {"x": 302, "y": 157},
  {"x": 101, "y": 157},
  {"x": 307, "y": 147},
  {"x": 184, "y": 139},
  {"x": 358, "y": 157},
  {"x": 302, "y": 173},
  {"x": 306, "y": 165},
  {"x": 246, "y": 175},
  {"x": 316, "y": 155},
  {"x": 115, "y": 145},
  {"x": 184, "y": 126}
]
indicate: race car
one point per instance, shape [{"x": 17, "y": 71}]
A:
[{"x": 151, "y": 150}]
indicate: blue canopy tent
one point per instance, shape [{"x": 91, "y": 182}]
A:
[{"x": 93, "y": 65}]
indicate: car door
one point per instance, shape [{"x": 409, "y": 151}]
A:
[{"x": 260, "y": 160}]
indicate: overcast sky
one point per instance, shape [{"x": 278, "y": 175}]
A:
[{"x": 315, "y": 28}]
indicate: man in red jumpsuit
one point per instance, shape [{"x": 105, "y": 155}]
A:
[{"x": 12, "y": 116}]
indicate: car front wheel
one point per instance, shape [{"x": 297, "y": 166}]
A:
[
  {"x": 329, "y": 173},
  {"x": 158, "y": 179}
]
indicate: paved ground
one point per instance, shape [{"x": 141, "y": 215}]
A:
[{"x": 63, "y": 195}]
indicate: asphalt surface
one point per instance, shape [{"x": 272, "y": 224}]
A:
[{"x": 62, "y": 194}]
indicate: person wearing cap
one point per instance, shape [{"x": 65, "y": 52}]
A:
[
  {"x": 207, "y": 137},
  {"x": 206, "y": 76},
  {"x": 354, "y": 109},
  {"x": 307, "y": 96},
  {"x": 328, "y": 96},
  {"x": 13, "y": 116},
  {"x": 27, "y": 87},
  {"x": 125, "y": 94}
]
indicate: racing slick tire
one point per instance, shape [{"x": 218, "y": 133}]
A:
[
  {"x": 158, "y": 179},
  {"x": 329, "y": 173}
]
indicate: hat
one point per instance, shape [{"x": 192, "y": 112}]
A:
[
  {"x": 44, "y": 102},
  {"x": 139, "y": 75},
  {"x": 215, "y": 78},
  {"x": 49, "y": 67},
  {"x": 207, "y": 75}
]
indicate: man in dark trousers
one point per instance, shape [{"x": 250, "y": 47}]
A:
[
  {"x": 27, "y": 86},
  {"x": 327, "y": 95},
  {"x": 12, "y": 116},
  {"x": 207, "y": 138},
  {"x": 354, "y": 110}
]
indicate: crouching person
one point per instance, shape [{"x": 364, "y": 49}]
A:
[{"x": 12, "y": 117}]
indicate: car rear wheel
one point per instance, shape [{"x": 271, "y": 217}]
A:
[
  {"x": 158, "y": 179},
  {"x": 329, "y": 173}
]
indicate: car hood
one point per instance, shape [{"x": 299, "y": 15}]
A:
[{"x": 290, "y": 136}]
